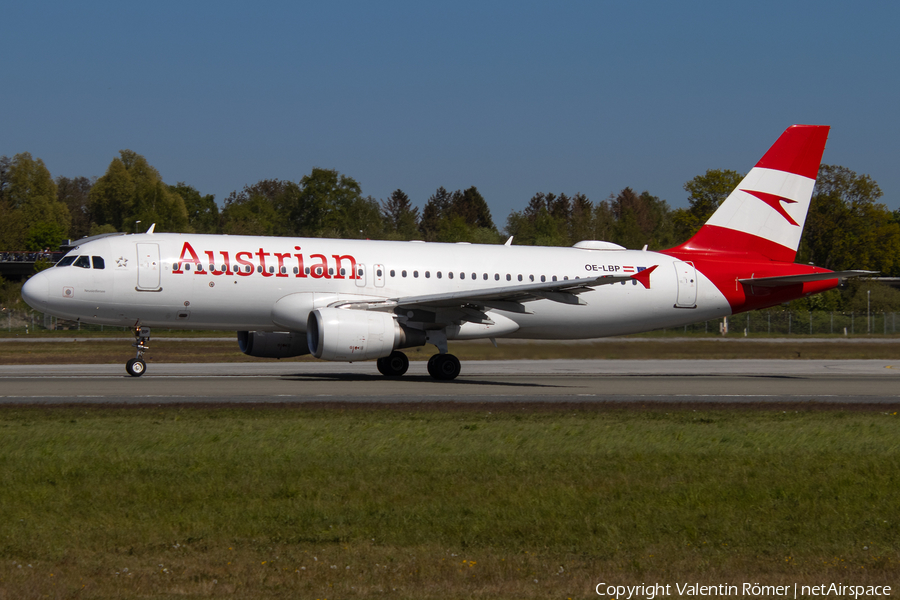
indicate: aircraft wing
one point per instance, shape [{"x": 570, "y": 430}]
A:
[
  {"x": 781, "y": 280},
  {"x": 508, "y": 298}
]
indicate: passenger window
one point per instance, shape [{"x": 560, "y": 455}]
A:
[
  {"x": 98, "y": 262},
  {"x": 554, "y": 278},
  {"x": 343, "y": 271},
  {"x": 378, "y": 273},
  {"x": 508, "y": 277},
  {"x": 224, "y": 268},
  {"x": 531, "y": 277},
  {"x": 475, "y": 276},
  {"x": 485, "y": 276},
  {"x": 212, "y": 267},
  {"x": 415, "y": 273},
  {"x": 496, "y": 276},
  {"x": 199, "y": 267},
  {"x": 450, "y": 274},
  {"x": 462, "y": 275},
  {"x": 393, "y": 273},
  {"x": 520, "y": 278},
  {"x": 187, "y": 266},
  {"x": 259, "y": 268},
  {"x": 543, "y": 279},
  {"x": 271, "y": 269},
  {"x": 284, "y": 270},
  {"x": 403, "y": 273},
  {"x": 331, "y": 270},
  {"x": 296, "y": 270},
  {"x": 66, "y": 261},
  {"x": 306, "y": 270},
  {"x": 428, "y": 274},
  {"x": 83, "y": 261}
]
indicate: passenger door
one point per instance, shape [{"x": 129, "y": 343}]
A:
[
  {"x": 148, "y": 268},
  {"x": 687, "y": 285}
]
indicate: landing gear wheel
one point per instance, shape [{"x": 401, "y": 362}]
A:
[
  {"x": 394, "y": 365},
  {"x": 443, "y": 367},
  {"x": 135, "y": 367},
  {"x": 431, "y": 370}
]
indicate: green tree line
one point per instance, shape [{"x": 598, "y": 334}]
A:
[{"x": 847, "y": 226}]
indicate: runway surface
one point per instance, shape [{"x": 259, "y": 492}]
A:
[{"x": 519, "y": 381}]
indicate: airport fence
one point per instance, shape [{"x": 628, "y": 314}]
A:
[
  {"x": 32, "y": 321},
  {"x": 794, "y": 322},
  {"x": 753, "y": 324}
]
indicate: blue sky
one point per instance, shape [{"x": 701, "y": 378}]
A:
[{"x": 512, "y": 97}]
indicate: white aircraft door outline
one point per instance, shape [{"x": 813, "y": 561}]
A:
[
  {"x": 360, "y": 275},
  {"x": 686, "y": 275},
  {"x": 148, "y": 268},
  {"x": 379, "y": 275}
]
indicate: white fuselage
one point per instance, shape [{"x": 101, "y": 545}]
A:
[{"x": 154, "y": 279}]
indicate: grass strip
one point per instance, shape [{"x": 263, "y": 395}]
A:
[{"x": 304, "y": 502}]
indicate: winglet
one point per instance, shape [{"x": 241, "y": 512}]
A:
[
  {"x": 152, "y": 227},
  {"x": 509, "y": 241},
  {"x": 644, "y": 276}
]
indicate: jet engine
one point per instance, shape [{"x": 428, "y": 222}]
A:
[
  {"x": 272, "y": 344},
  {"x": 350, "y": 335}
]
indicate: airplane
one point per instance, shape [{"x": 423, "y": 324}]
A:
[{"x": 353, "y": 300}]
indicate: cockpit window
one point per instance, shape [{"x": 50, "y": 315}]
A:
[
  {"x": 83, "y": 261},
  {"x": 66, "y": 261},
  {"x": 98, "y": 262}
]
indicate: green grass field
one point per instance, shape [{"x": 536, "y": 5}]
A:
[{"x": 484, "y": 502}]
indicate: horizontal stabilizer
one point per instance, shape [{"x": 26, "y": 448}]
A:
[{"x": 779, "y": 281}]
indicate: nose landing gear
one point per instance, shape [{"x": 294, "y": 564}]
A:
[{"x": 136, "y": 366}]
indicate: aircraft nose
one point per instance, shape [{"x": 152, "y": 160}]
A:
[{"x": 36, "y": 291}]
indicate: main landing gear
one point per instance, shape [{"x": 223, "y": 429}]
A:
[
  {"x": 136, "y": 366},
  {"x": 394, "y": 365},
  {"x": 443, "y": 367}
]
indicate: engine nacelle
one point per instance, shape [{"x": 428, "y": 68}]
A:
[
  {"x": 272, "y": 344},
  {"x": 350, "y": 335}
]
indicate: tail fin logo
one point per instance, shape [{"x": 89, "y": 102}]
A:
[{"x": 775, "y": 202}]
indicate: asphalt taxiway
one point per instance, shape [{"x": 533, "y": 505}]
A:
[{"x": 522, "y": 381}]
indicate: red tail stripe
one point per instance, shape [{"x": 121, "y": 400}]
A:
[
  {"x": 714, "y": 239},
  {"x": 798, "y": 150}
]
